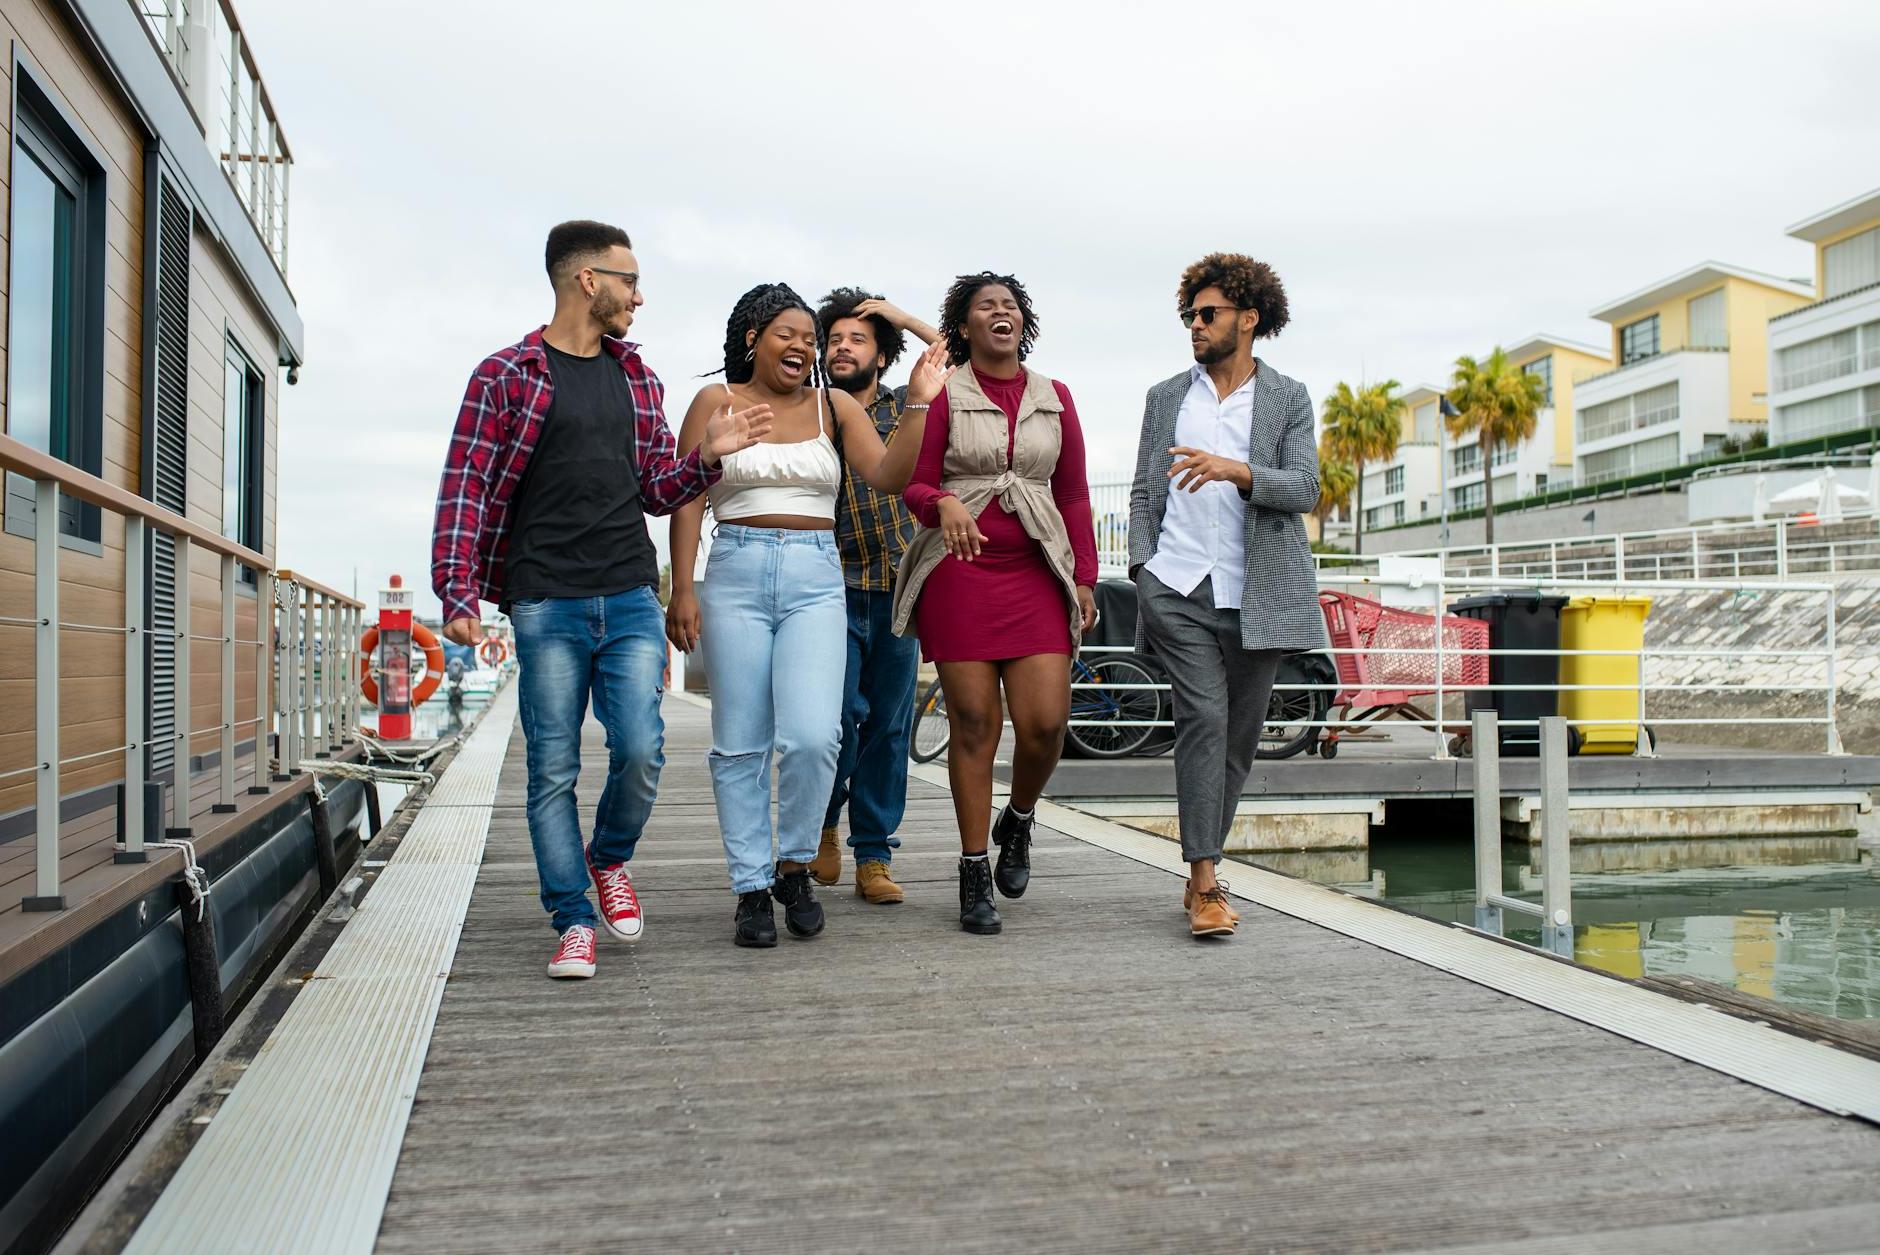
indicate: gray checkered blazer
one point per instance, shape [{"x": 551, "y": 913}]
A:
[{"x": 1280, "y": 606}]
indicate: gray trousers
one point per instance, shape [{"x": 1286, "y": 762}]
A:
[{"x": 1220, "y": 695}]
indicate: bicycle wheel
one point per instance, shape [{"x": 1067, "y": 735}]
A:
[
  {"x": 1289, "y": 720},
  {"x": 931, "y": 731},
  {"x": 1113, "y": 723}
]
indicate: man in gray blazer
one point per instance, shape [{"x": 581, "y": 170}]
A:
[{"x": 1226, "y": 469}]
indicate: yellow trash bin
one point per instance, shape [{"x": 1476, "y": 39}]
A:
[{"x": 1603, "y": 623}]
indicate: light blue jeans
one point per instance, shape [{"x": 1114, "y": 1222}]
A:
[{"x": 775, "y": 635}]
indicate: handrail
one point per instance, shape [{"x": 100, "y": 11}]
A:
[
  {"x": 315, "y": 586},
  {"x": 23, "y": 459}
]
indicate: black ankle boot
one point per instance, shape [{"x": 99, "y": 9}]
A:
[
  {"x": 977, "y": 914},
  {"x": 756, "y": 925},
  {"x": 1013, "y": 837},
  {"x": 802, "y": 913}
]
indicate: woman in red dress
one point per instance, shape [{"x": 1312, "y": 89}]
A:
[{"x": 998, "y": 583}]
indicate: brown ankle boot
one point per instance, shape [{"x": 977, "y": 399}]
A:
[
  {"x": 826, "y": 867},
  {"x": 1210, "y": 916},
  {"x": 874, "y": 885},
  {"x": 1188, "y": 900}
]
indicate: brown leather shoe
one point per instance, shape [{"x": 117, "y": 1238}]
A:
[
  {"x": 1210, "y": 916},
  {"x": 1188, "y": 900},
  {"x": 874, "y": 885},
  {"x": 826, "y": 867}
]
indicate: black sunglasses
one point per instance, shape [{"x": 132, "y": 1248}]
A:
[{"x": 1206, "y": 314}]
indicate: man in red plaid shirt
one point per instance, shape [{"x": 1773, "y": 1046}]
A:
[{"x": 561, "y": 450}]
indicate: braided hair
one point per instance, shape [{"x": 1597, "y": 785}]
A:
[
  {"x": 756, "y": 310},
  {"x": 959, "y": 299}
]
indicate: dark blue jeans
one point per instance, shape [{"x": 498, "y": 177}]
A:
[
  {"x": 877, "y": 717},
  {"x": 615, "y": 648}
]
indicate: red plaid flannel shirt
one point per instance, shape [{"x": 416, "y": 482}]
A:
[{"x": 497, "y": 429}]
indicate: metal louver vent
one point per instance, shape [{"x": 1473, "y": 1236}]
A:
[{"x": 169, "y": 437}]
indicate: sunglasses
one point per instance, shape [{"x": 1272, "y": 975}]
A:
[{"x": 1206, "y": 314}]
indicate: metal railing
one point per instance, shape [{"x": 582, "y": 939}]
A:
[
  {"x": 1444, "y": 658},
  {"x": 285, "y": 633},
  {"x": 207, "y": 52},
  {"x": 1555, "y": 909}
]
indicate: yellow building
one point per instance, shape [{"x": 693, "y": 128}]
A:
[
  {"x": 1693, "y": 370},
  {"x": 1824, "y": 373}
]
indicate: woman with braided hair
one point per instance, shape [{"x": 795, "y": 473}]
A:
[
  {"x": 999, "y": 584},
  {"x": 771, "y": 616}
]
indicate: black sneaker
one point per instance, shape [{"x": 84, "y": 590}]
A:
[
  {"x": 802, "y": 913},
  {"x": 1013, "y": 837},
  {"x": 756, "y": 925},
  {"x": 977, "y": 914}
]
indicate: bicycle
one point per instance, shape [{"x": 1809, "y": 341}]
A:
[{"x": 1105, "y": 722}]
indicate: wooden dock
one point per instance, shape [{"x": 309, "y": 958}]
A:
[{"x": 1092, "y": 1080}]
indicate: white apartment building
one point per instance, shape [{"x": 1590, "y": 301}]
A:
[
  {"x": 1824, "y": 358},
  {"x": 1407, "y": 488}
]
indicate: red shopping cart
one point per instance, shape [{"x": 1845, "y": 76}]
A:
[{"x": 1374, "y": 686}]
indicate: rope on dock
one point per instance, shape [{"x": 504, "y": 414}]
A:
[{"x": 409, "y": 768}]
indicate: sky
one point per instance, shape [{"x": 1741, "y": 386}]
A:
[{"x": 1428, "y": 180}]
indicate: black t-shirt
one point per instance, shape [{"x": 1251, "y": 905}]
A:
[{"x": 579, "y": 529}]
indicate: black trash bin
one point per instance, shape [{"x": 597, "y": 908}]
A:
[{"x": 1517, "y": 620}]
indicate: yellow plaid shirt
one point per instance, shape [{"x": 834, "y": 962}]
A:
[{"x": 873, "y": 528}]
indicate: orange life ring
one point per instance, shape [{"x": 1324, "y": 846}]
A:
[
  {"x": 493, "y": 651},
  {"x": 424, "y": 639}
]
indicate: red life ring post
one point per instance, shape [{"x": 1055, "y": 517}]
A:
[{"x": 387, "y": 685}]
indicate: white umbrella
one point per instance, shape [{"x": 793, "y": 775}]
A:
[
  {"x": 1831, "y": 496},
  {"x": 1818, "y": 492},
  {"x": 1760, "y": 506}
]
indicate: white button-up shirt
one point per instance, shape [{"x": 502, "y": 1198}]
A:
[{"x": 1205, "y": 533}]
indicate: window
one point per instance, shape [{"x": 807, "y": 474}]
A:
[
  {"x": 1466, "y": 459},
  {"x": 1708, "y": 330},
  {"x": 1644, "y": 409},
  {"x": 1372, "y": 516},
  {"x": 243, "y": 400},
  {"x": 55, "y": 366},
  {"x": 1853, "y": 263},
  {"x": 1816, "y": 361},
  {"x": 1426, "y": 420},
  {"x": 1638, "y": 341},
  {"x": 1396, "y": 512},
  {"x": 1544, "y": 367},
  {"x": 1853, "y": 410},
  {"x": 1540, "y": 483},
  {"x": 1505, "y": 454},
  {"x": 1393, "y": 479},
  {"x": 1630, "y": 459},
  {"x": 1467, "y": 497}
]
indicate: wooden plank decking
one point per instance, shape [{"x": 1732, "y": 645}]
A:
[{"x": 1091, "y": 1080}]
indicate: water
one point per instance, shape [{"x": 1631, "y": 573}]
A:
[{"x": 1805, "y": 936}]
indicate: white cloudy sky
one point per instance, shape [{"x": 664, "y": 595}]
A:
[{"x": 1429, "y": 179}]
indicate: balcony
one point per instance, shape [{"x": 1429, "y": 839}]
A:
[
  {"x": 1639, "y": 364},
  {"x": 215, "y": 69}
]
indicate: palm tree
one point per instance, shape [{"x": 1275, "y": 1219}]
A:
[
  {"x": 1362, "y": 425},
  {"x": 1500, "y": 405},
  {"x": 1336, "y": 481}
]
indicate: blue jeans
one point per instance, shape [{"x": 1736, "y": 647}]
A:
[
  {"x": 877, "y": 718},
  {"x": 772, "y": 626},
  {"x": 615, "y": 648}
]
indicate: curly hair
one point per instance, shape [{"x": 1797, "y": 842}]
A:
[
  {"x": 1249, "y": 284},
  {"x": 756, "y": 310},
  {"x": 841, "y": 303},
  {"x": 959, "y": 298}
]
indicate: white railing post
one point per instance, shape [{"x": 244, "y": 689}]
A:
[
  {"x": 1834, "y": 682},
  {"x": 1553, "y": 559},
  {"x": 1442, "y": 740},
  {"x": 136, "y": 700},
  {"x": 1782, "y": 549},
  {"x": 309, "y": 692},
  {"x": 1556, "y": 848},
  {"x": 264, "y": 667},
  {"x": 1696, "y": 561},
  {"x": 179, "y": 789},
  {"x": 1485, "y": 745},
  {"x": 46, "y": 895},
  {"x": 290, "y": 681},
  {"x": 1494, "y": 562},
  {"x": 227, "y": 668},
  {"x": 1618, "y": 557},
  {"x": 330, "y": 660},
  {"x": 352, "y": 671}
]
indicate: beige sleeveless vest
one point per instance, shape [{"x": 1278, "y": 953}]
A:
[{"x": 976, "y": 471}]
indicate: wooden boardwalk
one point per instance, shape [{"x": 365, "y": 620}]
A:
[{"x": 1091, "y": 1080}]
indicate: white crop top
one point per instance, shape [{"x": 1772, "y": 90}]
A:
[{"x": 797, "y": 478}]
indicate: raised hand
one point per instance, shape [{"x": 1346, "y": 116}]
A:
[
  {"x": 728, "y": 431},
  {"x": 874, "y": 305},
  {"x": 960, "y": 533},
  {"x": 1196, "y": 468},
  {"x": 930, "y": 374}
]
